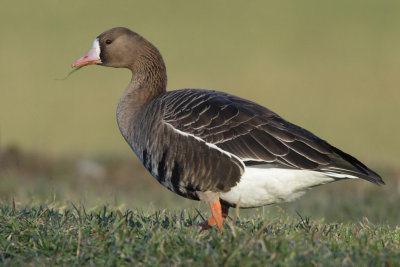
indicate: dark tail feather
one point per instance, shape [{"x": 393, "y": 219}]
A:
[{"x": 364, "y": 172}]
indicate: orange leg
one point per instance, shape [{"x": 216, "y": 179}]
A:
[{"x": 219, "y": 213}]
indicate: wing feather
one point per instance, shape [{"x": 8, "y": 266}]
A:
[{"x": 255, "y": 134}]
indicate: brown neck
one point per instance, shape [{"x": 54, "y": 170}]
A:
[{"x": 149, "y": 79}]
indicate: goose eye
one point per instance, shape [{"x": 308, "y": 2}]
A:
[{"x": 108, "y": 41}]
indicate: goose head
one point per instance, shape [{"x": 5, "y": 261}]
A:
[{"x": 118, "y": 47}]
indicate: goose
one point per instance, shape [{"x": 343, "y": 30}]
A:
[{"x": 213, "y": 146}]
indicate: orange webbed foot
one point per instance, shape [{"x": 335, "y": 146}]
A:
[{"x": 219, "y": 213}]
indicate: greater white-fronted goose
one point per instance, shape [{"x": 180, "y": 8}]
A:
[{"x": 212, "y": 146}]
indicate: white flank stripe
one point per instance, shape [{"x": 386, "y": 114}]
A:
[{"x": 208, "y": 144}]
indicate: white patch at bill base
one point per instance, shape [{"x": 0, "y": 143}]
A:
[{"x": 96, "y": 47}]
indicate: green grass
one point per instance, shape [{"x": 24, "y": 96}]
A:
[
  {"x": 42, "y": 235},
  {"x": 52, "y": 213}
]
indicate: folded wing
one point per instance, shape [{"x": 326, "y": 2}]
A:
[{"x": 257, "y": 135}]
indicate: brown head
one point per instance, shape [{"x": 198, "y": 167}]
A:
[{"x": 122, "y": 48}]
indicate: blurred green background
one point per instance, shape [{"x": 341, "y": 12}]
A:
[{"x": 330, "y": 66}]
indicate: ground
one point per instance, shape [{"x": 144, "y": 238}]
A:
[
  {"x": 46, "y": 236},
  {"x": 73, "y": 211}
]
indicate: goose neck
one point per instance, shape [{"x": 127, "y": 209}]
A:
[{"x": 148, "y": 81}]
